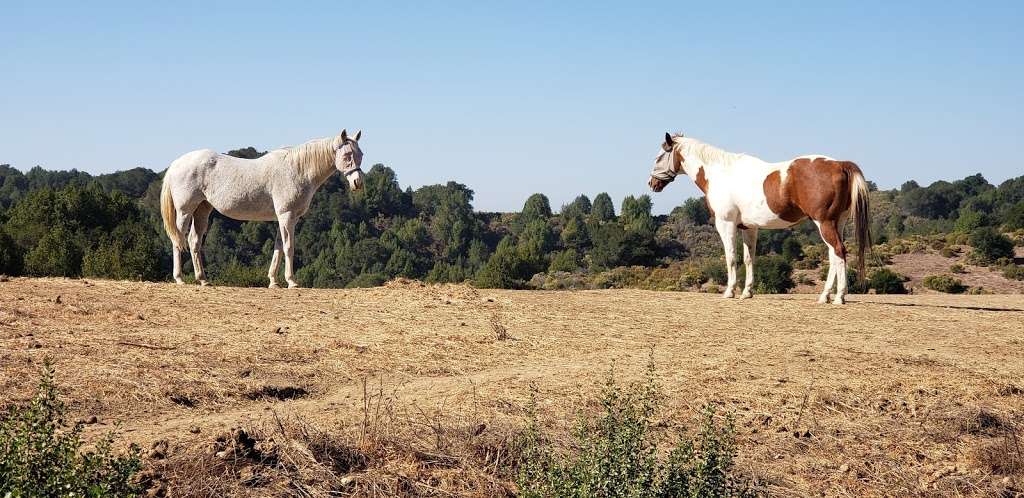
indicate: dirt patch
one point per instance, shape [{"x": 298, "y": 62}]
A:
[{"x": 880, "y": 397}]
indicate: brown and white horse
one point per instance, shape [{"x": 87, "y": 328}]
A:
[{"x": 745, "y": 193}]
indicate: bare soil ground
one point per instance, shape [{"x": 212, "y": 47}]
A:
[{"x": 890, "y": 395}]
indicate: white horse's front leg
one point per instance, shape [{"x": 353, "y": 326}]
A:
[
  {"x": 749, "y": 252},
  {"x": 727, "y": 231},
  {"x": 275, "y": 260},
  {"x": 287, "y": 225}
]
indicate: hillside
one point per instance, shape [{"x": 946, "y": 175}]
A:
[{"x": 890, "y": 395}]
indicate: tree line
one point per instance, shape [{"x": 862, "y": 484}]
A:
[{"x": 73, "y": 224}]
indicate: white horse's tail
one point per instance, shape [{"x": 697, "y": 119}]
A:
[{"x": 170, "y": 215}]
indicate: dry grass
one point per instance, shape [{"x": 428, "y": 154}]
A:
[{"x": 890, "y": 395}]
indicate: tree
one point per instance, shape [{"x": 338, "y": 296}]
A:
[
  {"x": 581, "y": 206},
  {"x": 536, "y": 207},
  {"x": 603, "y": 209},
  {"x": 695, "y": 211},
  {"x": 502, "y": 269},
  {"x": 990, "y": 245}
]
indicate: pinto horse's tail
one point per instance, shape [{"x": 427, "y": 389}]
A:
[
  {"x": 861, "y": 215},
  {"x": 170, "y": 215}
]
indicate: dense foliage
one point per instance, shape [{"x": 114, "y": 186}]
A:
[
  {"x": 615, "y": 453},
  {"x": 70, "y": 223},
  {"x": 41, "y": 455}
]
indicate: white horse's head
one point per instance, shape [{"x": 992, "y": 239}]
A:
[
  {"x": 667, "y": 165},
  {"x": 348, "y": 158}
]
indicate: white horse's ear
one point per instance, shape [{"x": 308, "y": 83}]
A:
[
  {"x": 357, "y": 135},
  {"x": 340, "y": 139}
]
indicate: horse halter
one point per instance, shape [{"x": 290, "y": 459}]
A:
[
  {"x": 669, "y": 174},
  {"x": 349, "y": 171}
]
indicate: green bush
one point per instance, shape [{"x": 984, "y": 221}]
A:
[
  {"x": 1014, "y": 272},
  {"x": 944, "y": 283},
  {"x": 989, "y": 245},
  {"x": 616, "y": 453},
  {"x": 773, "y": 274},
  {"x": 886, "y": 281},
  {"x": 567, "y": 261},
  {"x": 713, "y": 270},
  {"x": 41, "y": 456}
]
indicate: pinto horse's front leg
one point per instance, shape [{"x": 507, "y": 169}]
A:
[
  {"x": 749, "y": 253},
  {"x": 727, "y": 231}
]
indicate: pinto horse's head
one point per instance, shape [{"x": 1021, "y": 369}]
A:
[
  {"x": 348, "y": 158},
  {"x": 667, "y": 165}
]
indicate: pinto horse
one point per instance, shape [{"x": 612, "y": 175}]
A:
[
  {"x": 745, "y": 193},
  {"x": 275, "y": 187}
]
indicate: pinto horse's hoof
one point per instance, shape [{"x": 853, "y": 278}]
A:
[
  {"x": 823, "y": 299},
  {"x": 204, "y": 283},
  {"x": 273, "y": 285},
  {"x": 839, "y": 300},
  {"x": 293, "y": 285},
  {"x": 746, "y": 295}
]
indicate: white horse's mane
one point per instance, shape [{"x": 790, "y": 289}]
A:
[
  {"x": 708, "y": 154},
  {"x": 313, "y": 157}
]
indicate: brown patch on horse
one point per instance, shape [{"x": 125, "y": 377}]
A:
[
  {"x": 701, "y": 181},
  {"x": 779, "y": 200},
  {"x": 818, "y": 188}
]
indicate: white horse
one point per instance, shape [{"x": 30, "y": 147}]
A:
[
  {"x": 743, "y": 192},
  {"x": 278, "y": 186}
]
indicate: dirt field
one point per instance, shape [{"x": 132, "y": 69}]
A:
[{"x": 889, "y": 395}]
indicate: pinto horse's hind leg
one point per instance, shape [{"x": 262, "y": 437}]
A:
[
  {"x": 836, "y": 261},
  {"x": 749, "y": 253},
  {"x": 200, "y": 223}
]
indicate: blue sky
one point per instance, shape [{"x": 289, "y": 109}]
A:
[{"x": 516, "y": 97}]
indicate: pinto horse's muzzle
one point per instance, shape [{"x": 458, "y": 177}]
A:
[{"x": 657, "y": 184}]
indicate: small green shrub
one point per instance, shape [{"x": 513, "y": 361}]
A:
[
  {"x": 958, "y": 268},
  {"x": 1014, "y": 272},
  {"x": 886, "y": 281},
  {"x": 950, "y": 251},
  {"x": 990, "y": 245},
  {"x": 773, "y": 274},
  {"x": 713, "y": 270},
  {"x": 41, "y": 456},
  {"x": 616, "y": 453},
  {"x": 944, "y": 283}
]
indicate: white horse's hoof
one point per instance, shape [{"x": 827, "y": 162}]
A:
[
  {"x": 839, "y": 300},
  {"x": 293, "y": 285},
  {"x": 728, "y": 295},
  {"x": 203, "y": 283},
  {"x": 823, "y": 299},
  {"x": 273, "y": 285},
  {"x": 746, "y": 295},
  {"x": 179, "y": 281}
]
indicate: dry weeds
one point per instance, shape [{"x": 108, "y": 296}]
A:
[{"x": 891, "y": 395}]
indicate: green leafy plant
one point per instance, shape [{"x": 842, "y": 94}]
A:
[
  {"x": 944, "y": 283},
  {"x": 990, "y": 245},
  {"x": 886, "y": 281},
  {"x": 615, "y": 453},
  {"x": 40, "y": 455}
]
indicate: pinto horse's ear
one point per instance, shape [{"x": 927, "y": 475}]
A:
[
  {"x": 669, "y": 142},
  {"x": 357, "y": 135}
]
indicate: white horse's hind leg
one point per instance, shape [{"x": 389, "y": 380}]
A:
[
  {"x": 287, "y": 228},
  {"x": 177, "y": 264},
  {"x": 200, "y": 223},
  {"x": 184, "y": 222},
  {"x": 275, "y": 260},
  {"x": 749, "y": 253},
  {"x": 727, "y": 231}
]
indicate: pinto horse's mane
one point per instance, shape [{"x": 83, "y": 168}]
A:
[{"x": 707, "y": 153}]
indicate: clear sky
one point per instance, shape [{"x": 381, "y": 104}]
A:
[{"x": 513, "y": 98}]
